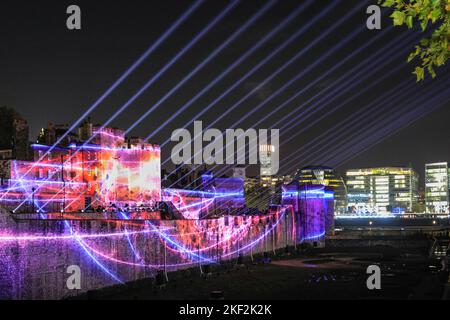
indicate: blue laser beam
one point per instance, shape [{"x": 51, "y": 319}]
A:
[
  {"x": 296, "y": 118},
  {"x": 340, "y": 128},
  {"x": 343, "y": 85},
  {"x": 390, "y": 72},
  {"x": 431, "y": 97},
  {"x": 394, "y": 128},
  {"x": 91, "y": 256},
  {"x": 242, "y": 58},
  {"x": 268, "y": 58},
  {"x": 368, "y": 131},
  {"x": 211, "y": 56},
  {"x": 278, "y": 71},
  {"x": 122, "y": 78},
  {"x": 216, "y": 20}
]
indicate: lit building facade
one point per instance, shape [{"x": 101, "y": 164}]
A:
[
  {"x": 267, "y": 172},
  {"x": 86, "y": 176},
  {"x": 265, "y": 159},
  {"x": 437, "y": 187},
  {"x": 123, "y": 245},
  {"x": 382, "y": 190},
  {"x": 314, "y": 205},
  {"x": 328, "y": 177},
  {"x": 269, "y": 190}
]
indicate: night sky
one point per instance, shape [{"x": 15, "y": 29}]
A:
[{"x": 51, "y": 74}]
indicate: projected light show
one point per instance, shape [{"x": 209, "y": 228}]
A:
[
  {"x": 86, "y": 177},
  {"x": 125, "y": 247},
  {"x": 100, "y": 205}
]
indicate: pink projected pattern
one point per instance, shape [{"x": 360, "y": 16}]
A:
[
  {"x": 100, "y": 207},
  {"x": 73, "y": 179}
]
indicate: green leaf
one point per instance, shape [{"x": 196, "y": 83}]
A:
[
  {"x": 399, "y": 18},
  {"x": 424, "y": 24},
  {"x": 420, "y": 73},
  {"x": 388, "y": 3},
  {"x": 431, "y": 71},
  {"x": 440, "y": 60},
  {"x": 409, "y": 22},
  {"x": 412, "y": 56},
  {"x": 436, "y": 2},
  {"x": 435, "y": 14},
  {"x": 424, "y": 42},
  {"x": 432, "y": 51}
]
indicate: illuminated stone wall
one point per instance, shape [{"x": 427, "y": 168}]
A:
[{"x": 34, "y": 255}]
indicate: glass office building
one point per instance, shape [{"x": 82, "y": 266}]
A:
[
  {"x": 373, "y": 191},
  {"x": 437, "y": 187}
]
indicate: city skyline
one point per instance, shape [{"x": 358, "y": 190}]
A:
[
  {"x": 355, "y": 191},
  {"x": 371, "y": 164}
]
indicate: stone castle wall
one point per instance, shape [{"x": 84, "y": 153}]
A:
[{"x": 33, "y": 268}]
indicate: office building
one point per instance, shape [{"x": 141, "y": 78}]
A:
[
  {"x": 383, "y": 190},
  {"x": 437, "y": 187}
]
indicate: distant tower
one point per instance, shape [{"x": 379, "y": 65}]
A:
[
  {"x": 265, "y": 159},
  {"x": 266, "y": 170}
]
